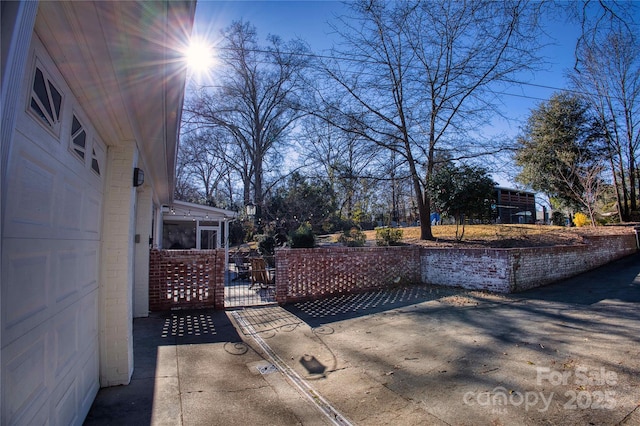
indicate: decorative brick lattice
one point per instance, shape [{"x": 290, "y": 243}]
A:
[
  {"x": 304, "y": 274},
  {"x": 195, "y": 278},
  {"x": 309, "y": 274},
  {"x": 180, "y": 279}
]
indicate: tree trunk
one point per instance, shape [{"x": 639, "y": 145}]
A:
[
  {"x": 257, "y": 187},
  {"x": 424, "y": 208},
  {"x": 617, "y": 189},
  {"x": 632, "y": 179}
]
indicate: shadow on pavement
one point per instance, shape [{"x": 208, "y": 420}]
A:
[
  {"x": 133, "y": 404},
  {"x": 618, "y": 281},
  {"x": 323, "y": 311}
]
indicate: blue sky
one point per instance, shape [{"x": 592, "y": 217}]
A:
[
  {"x": 308, "y": 20},
  {"x": 288, "y": 19}
]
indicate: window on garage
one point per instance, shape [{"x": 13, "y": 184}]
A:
[
  {"x": 46, "y": 100},
  {"x": 78, "y": 138},
  {"x": 96, "y": 159}
]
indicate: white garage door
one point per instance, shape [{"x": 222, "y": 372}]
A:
[{"x": 50, "y": 256}]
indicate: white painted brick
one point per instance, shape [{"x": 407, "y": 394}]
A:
[{"x": 116, "y": 360}]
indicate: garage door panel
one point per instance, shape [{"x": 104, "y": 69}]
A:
[
  {"x": 65, "y": 398},
  {"x": 89, "y": 267},
  {"x": 75, "y": 283},
  {"x": 92, "y": 217},
  {"x": 25, "y": 292},
  {"x": 89, "y": 314},
  {"x": 68, "y": 278},
  {"x": 88, "y": 384},
  {"x": 80, "y": 210},
  {"x": 47, "y": 200},
  {"x": 44, "y": 363},
  {"x": 75, "y": 392},
  {"x": 65, "y": 332},
  {"x": 30, "y": 197},
  {"x": 25, "y": 374},
  {"x": 70, "y": 216},
  {"x": 76, "y": 386},
  {"x": 44, "y": 278}
]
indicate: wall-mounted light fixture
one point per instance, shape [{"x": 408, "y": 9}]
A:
[{"x": 138, "y": 177}]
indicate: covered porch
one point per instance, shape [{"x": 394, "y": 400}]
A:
[{"x": 189, "y": 226}]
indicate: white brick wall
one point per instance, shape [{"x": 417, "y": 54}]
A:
[
  {"x": 477, "y": 269},
  {"x": 116, "y": 286},
  {"x": 513, "y": 270}
]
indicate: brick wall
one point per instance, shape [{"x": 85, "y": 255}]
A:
[
  {"x": 304, "y": 274},
  {"x": 512, "y": 270},
  {"x": 184, "y": 279},
  {"x": 487, "y": 269},
  {"x": 541, "y": 266},
  {"x": 116, "y": 281},
  {"x": 195, "y": 278}
]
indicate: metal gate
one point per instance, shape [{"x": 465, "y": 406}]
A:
[{"x": 242, "y": 288}]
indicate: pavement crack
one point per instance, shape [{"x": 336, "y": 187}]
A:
[{"x": 628, "y": 416}]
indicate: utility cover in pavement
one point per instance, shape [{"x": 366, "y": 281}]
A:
[{"x": 266, "y": 368}]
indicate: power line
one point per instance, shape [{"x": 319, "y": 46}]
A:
[{"x": 362, "y": 61}]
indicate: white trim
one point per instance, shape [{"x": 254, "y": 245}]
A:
[
  {"x": 199, "y": 230},
  {"x": 49, "y": 77}
]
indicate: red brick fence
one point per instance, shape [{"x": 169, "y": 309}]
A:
[
  {"x": 186, "y": 279},
  {"x": 303, "y": 274},
  {"x": 316, "y": 273},
  {"x": 193, "y": 278}
]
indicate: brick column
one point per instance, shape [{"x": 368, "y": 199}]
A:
[
  {"x": 282, "y": 278},
  {"x": 218, "y": 280},
  {"x": 116, "y": 281}
]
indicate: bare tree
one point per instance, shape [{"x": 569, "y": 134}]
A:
[
  {"x": 186, "y": 189},
  {"x": 203, "y": 162},
  {"x": 348, "y": 165},
  {"x": 592, "y": 188},
  {"x": 607, "y": 72},
  {"x": 415, "y": 77},
  {"x": 255, "y": 102}
]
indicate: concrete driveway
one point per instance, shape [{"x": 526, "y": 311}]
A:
[{"x": 567, "y": 354}]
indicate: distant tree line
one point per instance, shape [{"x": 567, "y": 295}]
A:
[{"x": 357, "y": 136}]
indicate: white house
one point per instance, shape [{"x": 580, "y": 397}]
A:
[
  {"x": 90, "y": 92},
  {"x": 194, "y": 226}
]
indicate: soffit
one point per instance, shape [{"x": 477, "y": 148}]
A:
[{"x": 122, "y": 62}]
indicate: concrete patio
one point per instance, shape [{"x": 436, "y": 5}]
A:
[{"x": 568, "y": 354}]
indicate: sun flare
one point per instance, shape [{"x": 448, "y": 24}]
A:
[{"x": 199, "y": 56}]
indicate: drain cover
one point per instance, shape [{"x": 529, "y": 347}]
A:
[{"x": 267, "y": 368}]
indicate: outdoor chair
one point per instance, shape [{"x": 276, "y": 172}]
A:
[
  {"x": 260, "y": 275},
  {"x": 242, "y": 270}
]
